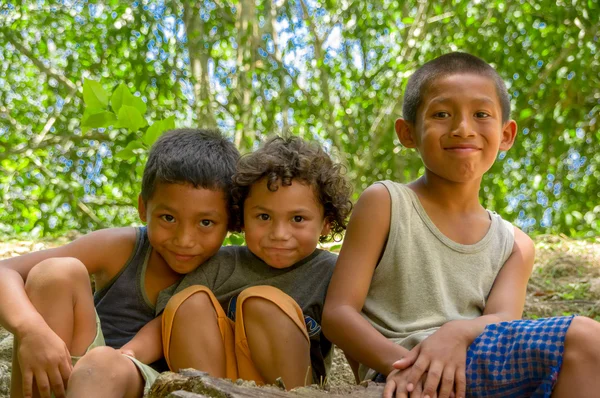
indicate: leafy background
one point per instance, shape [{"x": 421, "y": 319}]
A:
[{"x": 331, "y": 71}]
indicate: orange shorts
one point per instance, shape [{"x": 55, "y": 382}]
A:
[{"x": 237, "y": 353}]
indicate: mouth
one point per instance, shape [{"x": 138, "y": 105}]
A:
[
  {"x": 183, "y": 257},
  {"x": 463, "y": 149}
]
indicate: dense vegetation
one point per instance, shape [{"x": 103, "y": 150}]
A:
[{"x": 329, "y": 70}]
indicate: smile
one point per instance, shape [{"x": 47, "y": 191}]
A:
[{"x": 183, "y": 257}]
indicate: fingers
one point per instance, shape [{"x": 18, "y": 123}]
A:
[
  {"x": 416, "y": 372},
  {"x": 27, "y": 383},
  {"x": 409, "y": 359},
  {"x": 447, "y": 382},
  {"x": 432, "y": 382},
  {"x": 388, "y": 390},
  {"x": 57, "y": 384},
  {"x": 43, "y": 385},
  {"x": 460, "y": 382},
  {"x": 418, "y": 390}
]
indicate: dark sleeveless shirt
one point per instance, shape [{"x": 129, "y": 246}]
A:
[{"x": 122, "y": 305}]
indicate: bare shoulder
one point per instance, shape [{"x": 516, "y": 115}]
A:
[
  {"x": 375, "y": 195},
  {"x": 523, "y": 243}
]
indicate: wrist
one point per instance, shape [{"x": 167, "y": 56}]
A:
[{"x": 29, "y": 325}]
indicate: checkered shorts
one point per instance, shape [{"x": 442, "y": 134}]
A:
[{"x": 517, "y": 359}]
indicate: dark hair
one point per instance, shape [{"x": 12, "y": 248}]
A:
[
  {"x": 201, "y": 157},
  {"x": 281, "y": 160},
  {"x": 445, "y": 65}
]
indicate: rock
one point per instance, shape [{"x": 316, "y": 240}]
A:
[
  {"x": 191, "y": 383},
  {"x": 6, "y": 343}
]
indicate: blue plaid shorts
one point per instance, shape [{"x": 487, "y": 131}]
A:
[{"x": 517, "y": 359}]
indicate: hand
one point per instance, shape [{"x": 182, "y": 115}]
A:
[
  {"x": 443, "y": 356},
  {"x": 397, "y": 381},
  {"x": 43, "y": 355}
]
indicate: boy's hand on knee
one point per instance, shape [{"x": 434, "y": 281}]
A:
[
  {"x": 442, "y": 357},
  {"x": 43, "y": 355}
]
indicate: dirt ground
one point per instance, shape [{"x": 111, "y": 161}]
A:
[{"x": 565, "y": 280}]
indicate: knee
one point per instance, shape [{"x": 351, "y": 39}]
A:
[
  {"x": 101, "y": 360},
  {"x": 198, "y": 304},
  {"x": 63, "y": 273},
  {"x": 582, "y": 337}
]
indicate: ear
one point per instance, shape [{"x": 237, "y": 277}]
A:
[
  {"x": 404, "y": 131},
  {"x": 326, "y": 227},
  {"x": 141, "y": 208},
  {"x": 509, "y": 133}
]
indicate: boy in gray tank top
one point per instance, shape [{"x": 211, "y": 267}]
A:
[
  {"x": 429, "y": 286},
  {"x": 62, "y": 332},
  {"x": 254, "y": 312}
]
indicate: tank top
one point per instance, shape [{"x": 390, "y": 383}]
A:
[
  {"x": 122, "y": 305},
  {"x": 424, "y": 279}
]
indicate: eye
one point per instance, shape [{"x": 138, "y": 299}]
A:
[
  {"x": 206, "y": 223},
  {"x": 168, "y": 218},
  {"x": 482, "y": 115},
  {"x": 441, "y": 115},
  {"x": 264, "y": 217},
  {"x": 298, "y": 219}
]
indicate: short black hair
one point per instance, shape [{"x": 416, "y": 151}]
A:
[
  {"x": 445, "y": 65},
  {"x": 201, "y": 157},
  {"x": 281, "y": 160}
]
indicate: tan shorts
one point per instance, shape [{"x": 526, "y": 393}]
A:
[
  {"x": 148, "y": 373},
  {"x": 238, "y": 361}
]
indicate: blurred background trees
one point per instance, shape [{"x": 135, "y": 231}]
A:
[{"x": 329, "y": 70}]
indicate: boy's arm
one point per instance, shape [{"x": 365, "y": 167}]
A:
[
  {"x": 441, "y": 353},
  {"x": 146, "y": 345},
  {"x": 42, "y": 353},
  {"x": 363, "y": 246}
]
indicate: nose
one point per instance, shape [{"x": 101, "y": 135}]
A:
[
  {"x": 185, "y": 236},
  {"x": 461, "y": 126},
  {"x": 279, "y": 231}
]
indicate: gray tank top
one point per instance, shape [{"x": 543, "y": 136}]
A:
[
  {"x": 122, "y": 305},
  {"x": 424, "y": 279}
]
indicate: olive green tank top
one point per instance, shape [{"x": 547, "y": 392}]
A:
[{"x": 424, "y": 279}]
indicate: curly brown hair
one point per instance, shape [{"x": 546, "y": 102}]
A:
[{"x": 281, "y": 160}]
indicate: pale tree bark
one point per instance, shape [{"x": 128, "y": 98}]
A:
[
  {"x": 247, "y": 40},
  {"x": 199, "y": 55}
]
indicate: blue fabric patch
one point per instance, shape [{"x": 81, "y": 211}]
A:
[{"x": 312, "y": 327}]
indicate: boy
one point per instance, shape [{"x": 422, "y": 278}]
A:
[
  {"x": 426, "y": 273},
  {"x": 46, "y": 299},
  {"x": 254, "y": 312}
]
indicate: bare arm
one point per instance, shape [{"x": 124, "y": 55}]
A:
[
  {"x": 102, "y": 252},
  {"x": 146, "y": 345},
  {"x": 363, "y": 246}
]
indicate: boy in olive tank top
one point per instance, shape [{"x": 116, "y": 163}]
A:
[
  {"x": 429, "y": 286},
  {"x": 62, "y": 332}
]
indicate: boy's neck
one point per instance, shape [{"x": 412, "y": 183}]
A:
[{"x": 450, "y": 196}]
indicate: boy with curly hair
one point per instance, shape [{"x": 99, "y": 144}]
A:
[{"x": 254, "y": 312}]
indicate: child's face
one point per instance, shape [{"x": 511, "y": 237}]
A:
[
  {"x": 459, "y": 131},
  {"x": 284, "y": 226},
  {"x": 186, "y": 225}
]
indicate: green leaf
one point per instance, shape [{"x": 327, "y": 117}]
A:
[
  {"x": 116, "y": 101},
  {"x": 130, "y": 118},
  {"x": 408, "y": 20},
  {"x": 525, "y": 113},
  {"x": 94, "y": 96},
  {"x": 128, "y": 152},
  {"x": 157, "y": 129},
  {"x": 99, "y": 119}
]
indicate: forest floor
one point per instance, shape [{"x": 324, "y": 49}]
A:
[{"x": 565, "y": 280}]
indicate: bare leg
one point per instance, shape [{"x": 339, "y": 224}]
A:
[
  {"x": 105, "y": 372},
  {"x": 196, "y": 340},
  {"x": 277, "y": 346},
  {"x": 59, "y": 288},
  {"x": 578, "y": 375}
]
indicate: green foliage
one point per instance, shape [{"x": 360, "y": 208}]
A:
[{"x": 72, "y": 152}]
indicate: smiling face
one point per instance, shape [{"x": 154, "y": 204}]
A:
[
  {"x": 458, "y": 130},
  {"x": 283, "y": 227},
  {"x": 186, "y": 225}
]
